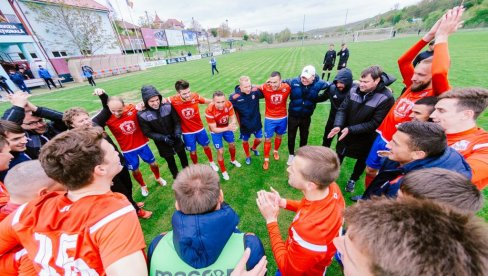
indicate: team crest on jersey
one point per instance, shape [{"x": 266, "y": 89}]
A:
[
  {"x": 460, "y": 145},
  {"x": 403, "y": 108},
  {"x": 188, "y": 113},
  {"x": 224, "y": 120},
  {"x": 284, "y": 90},
  {"x": 276, "y": 98},
  {"x": 129, "y": 113},
  {"x": 128, "y": 127}
]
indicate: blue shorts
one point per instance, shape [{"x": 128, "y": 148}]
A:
[
  {"x": 217, "y": 138},
  {"x": 257, "y": 134},
  {"x": 275, "y": 126},
  {"x": 374, "y": 160},
  {"x": 132, "y": 157},
  {"x": 191, "y": 140}
]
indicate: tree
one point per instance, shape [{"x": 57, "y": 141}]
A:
[
  {"x": 266, "y": 37},
  {"x": 284, "y": 35},
  {"x": 245, "y": 37},
  {"x": 74, "y": 26},
  {"x": 214, "y": 32}
]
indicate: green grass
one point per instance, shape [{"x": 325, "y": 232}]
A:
[{"x": 469, "y": 58}]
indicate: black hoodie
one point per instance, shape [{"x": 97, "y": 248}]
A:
[{"x": 335, "y": 96}]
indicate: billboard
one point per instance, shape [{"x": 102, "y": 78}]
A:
[
  {"x": 12, "y": 29},
  {"x": 190, "y": 37},
  {"x": 154, "y": 37},
  {"x": 175, "y": 37}
]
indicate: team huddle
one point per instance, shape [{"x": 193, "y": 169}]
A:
[{"x": 426, "y": 162}]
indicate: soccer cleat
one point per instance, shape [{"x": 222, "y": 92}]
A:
[
  {"x": 290, "y": 159},
  {"x": 161, "y": 181},
  {"x": 144, "y": 214},
  {"x": 255, "y": 151},
  {"x": 248, "y": 160},
  {"x": 225, "y": 175},
  {"x": 236, "y": 163},
  {"x": 350, "y": 186},
  {"x": 144, "y": 191},
  {"x": 140, "y": 204},
  {"x": 276, "y": 155},
  {"x": 214, "y": 167},
  {"x": 266, "y": 165}
]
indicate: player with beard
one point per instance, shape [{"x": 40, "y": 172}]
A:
[{"x": 428, "y": 78}]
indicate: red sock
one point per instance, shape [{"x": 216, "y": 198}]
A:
[
  {"x": 255, "y": 144},
  {"x": 155, "y": 171},
  {"x": 267, "y": 149},
  {"x": 138, "y": 177},
  {"x": 367, "y": 180},
  {"x": 208, "y": 153},
  {"x": 277, "y": 143},
  {"x": 232, "y": 152},
  {"x": 221, "y": 165},
  {"x": 194, "y": 157},
  {"x": 245, "y": 145}
]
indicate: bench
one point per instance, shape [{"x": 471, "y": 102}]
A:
[{"x": 40, "y": 82}]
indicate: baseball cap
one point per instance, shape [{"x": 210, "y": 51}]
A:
[{"x": 308, "y": 71}]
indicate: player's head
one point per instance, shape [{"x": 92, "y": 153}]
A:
[
  {"x": 422, "y": 75},
  {"x": 370, "y": 78},
  {"x": 408, "y": 236},
  {"x": 34, "y": 123},
  {"x": 459, "y": 108},
  {"x": 77, "y": 117},
  {"x": 79, "y": 158},
  {"x": 343, "y": 79},
  {"x": 245, "y": 84},
  {"x": 15, "y": 136},
  {"x": 219, "y": 99},
  {"x": 331, "y": 46},
  {"x": 116, "y": 105},
  {"x": 443, "y": 186},
  {"x": 423, "y": 108},
  {"x": 151, "y": 97},
  {"x": 314, "y": 167},
  {"x": 183, "y": 89},
  {"x": 197, "y": 190},
  {"x": 5, "y": 156},
  {"x": 343, "y": 45},
  {"x": 308, "y": 75},
  {"x": 27, "y": 180},
  {"x": 415, "y": 141},
  {"x": 275, "y": 80}
]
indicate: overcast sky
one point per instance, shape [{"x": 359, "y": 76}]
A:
[{"x": 260, "y": 15}]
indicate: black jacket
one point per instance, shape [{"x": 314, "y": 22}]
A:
[
  {"x": 330, "y": 57},
  {"x": 335, "y": 96},
  {"x": 362, "y": 114},
  {"x": 344, "y": 56},
  {"x": 304, "y": 99}
]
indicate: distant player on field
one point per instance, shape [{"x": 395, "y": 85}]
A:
[{"x": 329, "y": 61}]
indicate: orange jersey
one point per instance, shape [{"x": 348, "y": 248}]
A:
[
  {"x": 82, "y": 237},
  {"x": 472, "y": 144},
  {"x": 4, "y": 195},
  {"x": 275, "y": 100},
  {"x": 126, "y": 129},
  {"x": 188, "y": 112},
  {"x": 309, "y": 248},
  {"x": 219, "y": 117},
  {"x": 402, "y": 108}
]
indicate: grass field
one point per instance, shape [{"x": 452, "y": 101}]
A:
[{"x": 469, "y": 59}]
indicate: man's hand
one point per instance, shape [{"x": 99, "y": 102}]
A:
[
  {"x": 333, "y": 132},
  {"x": 140, "y": 106},
  {"x": 258, "y": 270},
  {"x": 167, "y": 139},
  {"x": 98, "y": 92},
  {"x": 431, "y": 33},
  {"x": 274, "y": 195},
  {"x": 268, "y": 208},
  {"x": 232, "y": 127},
  {"x": 449, "y": 24},
  {"x": 344, "y": 133},
  {"x": 30, "y": 107},
  {"x": 19, "y": 99}
]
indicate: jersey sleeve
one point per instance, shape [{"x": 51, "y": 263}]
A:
[
  {"x": 4, "y": 195},
  {"x": 8, "y": 237},
  {"x": 440, "y": 69},
  {"x": 231, "y": 109},
  {"x": 201, "y": 100},
  {"x": 209, "y": 116},
  {"x": 405, "y": 61},
  {"x": 478, "y": 161},
  {"x": 292, "y": 205}
]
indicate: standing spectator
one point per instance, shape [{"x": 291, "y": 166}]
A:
[
  {"x": 4, "y": 85},
  {"x": 425, "y": 54},
  {"x": 343, "y": 56},
  {"x": 18, "y": 79},
  {"x": 358, "y": 117},
  {"x": 304, "y": 96},
  {"x": 213, "y": 62},
  {"x": 329, "y": 61},
  {"x": 318, "y": 220},
  {"x": 245, "y": 100},
  {"x": 27, "y": 72},
  {"x": 336, "y": 93},
  {"x": 160, "y": 122},
  {"x": 44, "y": 74},
  {"x": 88, "y": 73}
]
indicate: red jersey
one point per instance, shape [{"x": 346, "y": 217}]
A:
[
  {"x": 188, "y": 112},
  {"x": 402, "y": 108},
  {"x": 219, "y": 117},
  {"x": 126, "y": 129},
  {"x": 472, "y": 144},
  {"x": 309, "y": 248},
  {"x": 4, "y": 195},
  {"x": 275, "y": 100},
  {"x": 82, "y": 237}
]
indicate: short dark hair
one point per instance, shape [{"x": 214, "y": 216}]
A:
[
  {"x": 375, "y": 71},
  {"x": 116, "y": 99},
  {"x": 469, "y": 98},
  {"x": 3, "y": 142},
  {"x": 430, "y": 101},
  {"x": 181, "y": 85},
  {"x": 425, "y": 136},
  {"x": 70, "y": 113},
  {"x": 11, "y": 127},
  {"x": 323, "y": 164},
  {"x": 275, "y": 74},
  {"x": 444, "y": 186},
  {"x": 218, "y": 93}
]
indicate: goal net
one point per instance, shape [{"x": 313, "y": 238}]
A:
[{"x": 374, "y": 34}]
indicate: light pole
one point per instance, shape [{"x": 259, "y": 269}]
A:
[{"x": 196, "y": 33}]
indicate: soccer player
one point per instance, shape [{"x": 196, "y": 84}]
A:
[
  {"x": 318, "y": 220},
  {"x": 5, "y": 158},
  {"x": 125, "y": 127},
  {"x": 343, "y": 57},
  {"x": 222, "y": 123},
  {"x": 17, "y": 141},
  {"x": 245, "y": 100},
  {"x": 276, "y": 117},
  {"x": 329, "y": 61},
  {"x": 87, "y": 231},
  {"x": 423, "y": 108},
  {"x": 186, "y": 105},
  {"x": 428, "y": 78}
]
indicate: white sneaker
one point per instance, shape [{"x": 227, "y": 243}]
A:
[
  {"x": 144, "y": 191},
  {"x": 225, "y": 175},
  {"x": 161, "y": 181},
  {"x": 290, "y": 159},
  {"x": 236, "y": 163},
  {"x": 214, "y": 167}
]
